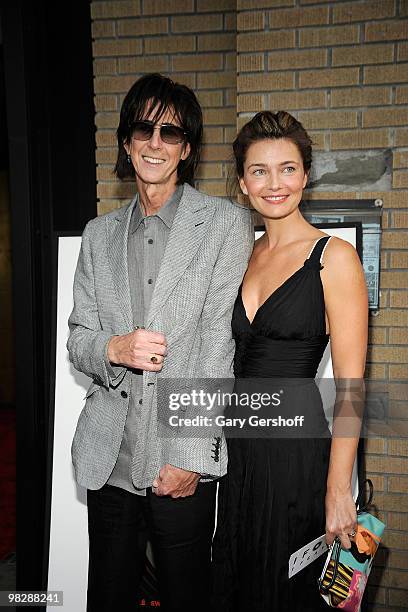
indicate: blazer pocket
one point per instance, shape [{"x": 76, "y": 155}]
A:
[{"x": 91, "y": 390}]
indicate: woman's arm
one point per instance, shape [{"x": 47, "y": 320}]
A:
[{"x": 346, "y": 302}]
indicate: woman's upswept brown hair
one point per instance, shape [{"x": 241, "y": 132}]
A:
[{"x": 265, "y": 125}]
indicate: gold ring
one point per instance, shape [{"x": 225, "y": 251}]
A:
[{"x": 153, "y": 359}]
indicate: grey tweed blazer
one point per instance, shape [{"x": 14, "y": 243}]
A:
[{"x": 205, "y": 258}]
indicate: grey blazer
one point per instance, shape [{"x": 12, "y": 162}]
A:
[{"x": 205, "y": 259}]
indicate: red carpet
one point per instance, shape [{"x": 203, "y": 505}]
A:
[{"x": 7, "y": 483}]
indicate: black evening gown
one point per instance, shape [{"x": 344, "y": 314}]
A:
[{"x": 271, "y": 502}]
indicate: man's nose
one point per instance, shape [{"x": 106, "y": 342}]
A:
[{"x": 155, "y": 140}]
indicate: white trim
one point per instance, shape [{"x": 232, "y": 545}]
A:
[
  {"x": 324, "y": 248},
  {"x": 312, "y": 249}
]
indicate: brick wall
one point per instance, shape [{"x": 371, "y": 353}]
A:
[
  {"x": 342, "y": 68},
  {"x": 194, "y": 42}
]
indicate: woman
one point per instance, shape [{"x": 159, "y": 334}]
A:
[{"x": 300, "y": 287}]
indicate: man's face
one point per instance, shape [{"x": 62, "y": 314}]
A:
[{"x": 155, "y": 162}]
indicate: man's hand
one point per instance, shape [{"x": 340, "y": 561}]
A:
[
  {"x": 175, "y": 482},
  {"x": 134, "y": 350}
]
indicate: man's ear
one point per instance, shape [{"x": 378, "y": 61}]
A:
[
  {"x": 243, "y": 186},
  {"x": 186, "y": 151}
]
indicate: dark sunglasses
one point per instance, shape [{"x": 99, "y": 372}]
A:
[{"x": 169, "y": 133}]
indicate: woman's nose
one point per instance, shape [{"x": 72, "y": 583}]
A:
[{"x": 274, "y": 181}]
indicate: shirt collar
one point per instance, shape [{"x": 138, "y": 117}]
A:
[{"x": 166, "y": 213}]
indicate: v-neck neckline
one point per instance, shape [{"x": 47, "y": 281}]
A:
[
  {"x": 270, "y": 296},
  {"x": 308, "y": 258}
]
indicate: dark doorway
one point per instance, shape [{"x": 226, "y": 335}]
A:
[
  {"x": 7, "y": 369},
  {"x": 52, "y": 185}
]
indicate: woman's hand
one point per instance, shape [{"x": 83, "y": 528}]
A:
[{"x": 341, "y": 516}]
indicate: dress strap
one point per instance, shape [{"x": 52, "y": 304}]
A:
[{"x": 318, "y": 249}]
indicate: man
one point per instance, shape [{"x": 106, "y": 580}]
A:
[{"x": 153, "y": 297}]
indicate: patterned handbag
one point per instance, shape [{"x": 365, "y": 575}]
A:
[{"x": 345, "y": 573}]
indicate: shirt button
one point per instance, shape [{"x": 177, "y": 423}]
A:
[
  {"x": 150, "y": 280},
  {"x": 150, "y": 241},
  {"x": 123, "y": 394},
  {"x": 140, "y": 401}
]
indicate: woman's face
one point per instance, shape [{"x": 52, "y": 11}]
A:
[{"x": 274, "y": 177}]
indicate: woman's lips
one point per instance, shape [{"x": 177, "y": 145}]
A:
[{"x": 275, "y": 199}]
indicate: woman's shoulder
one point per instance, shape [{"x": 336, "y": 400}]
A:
[
  {"x": 339, "y": 251},
  {"x": 342, "y": 269}
]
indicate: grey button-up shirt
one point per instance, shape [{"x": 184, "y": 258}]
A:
[{"x": 147, "y": 241}]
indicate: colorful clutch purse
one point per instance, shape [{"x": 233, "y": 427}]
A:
[{"x": 346, "y": 572}]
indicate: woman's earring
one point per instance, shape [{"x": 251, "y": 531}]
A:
[{"x": 128, "y": 159}]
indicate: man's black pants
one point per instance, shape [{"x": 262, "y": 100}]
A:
[{"x": 180, "y": 530}]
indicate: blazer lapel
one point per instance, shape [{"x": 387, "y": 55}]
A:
[
  {"x": 117, "y": 229},
  {"x": 188, "y": 230}
]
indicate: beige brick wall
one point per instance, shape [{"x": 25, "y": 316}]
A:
[
  {"x": 194, "y": 42},
  {"x": 342, "y": 68}
]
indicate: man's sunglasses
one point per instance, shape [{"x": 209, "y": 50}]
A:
[{"x": 169, "y": 133}]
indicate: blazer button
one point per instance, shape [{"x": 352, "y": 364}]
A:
[{"x": 123, "y": 394}]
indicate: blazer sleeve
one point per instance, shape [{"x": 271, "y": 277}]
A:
[{"x": 87, "y": 342}]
